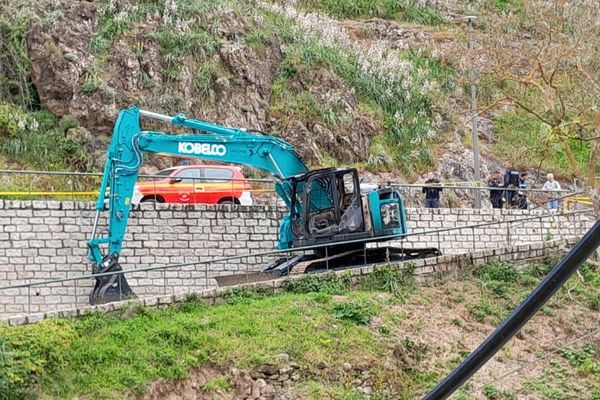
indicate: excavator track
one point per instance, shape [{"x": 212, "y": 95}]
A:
[{"x": 315, "y": 263}]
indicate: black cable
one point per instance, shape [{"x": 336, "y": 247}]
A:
[{"x": 555, "y": 279}]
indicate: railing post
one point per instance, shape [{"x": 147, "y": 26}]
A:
[
  {"x": 402, "y": 247},
  {"x": 76, "y": 297},
  {"x": 164, "y": 276},
  {"x": 206, "y": 273},
  {"x": 29, "y": 299},
  {"x": 327, "y": 257},
  {"x": 120, "y": 287},
  {"x": 246, "y": 271}
]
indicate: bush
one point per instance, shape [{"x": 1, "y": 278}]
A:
[
  {"x": 397, "y": 281},
  {"x": 497, "y": 271},
  {"x": 358, "y": 313},
  {"x": 39, "y": 139},
  {"x": 29, "y": 354},
  {"x": 327, "y": 282}
]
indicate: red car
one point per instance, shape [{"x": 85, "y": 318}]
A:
[{"x": 210, "y": 184}]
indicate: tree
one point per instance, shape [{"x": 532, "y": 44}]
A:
[{"x": 544, "y": 59}]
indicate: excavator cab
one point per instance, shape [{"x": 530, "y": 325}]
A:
[{"x": 328, "y": 206}]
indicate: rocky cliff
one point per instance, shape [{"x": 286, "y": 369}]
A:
[{"x": 376, "y": 84}]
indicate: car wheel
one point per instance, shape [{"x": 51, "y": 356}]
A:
[
  {"x": 150, "y": 200},
  {"x": 229, "y": 202}
]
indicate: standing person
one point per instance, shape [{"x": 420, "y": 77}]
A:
[
  {"x": 511, "y": 182},
  {"x": 552, "y": 186},
  {"x": 520, "y": 199},
  {"x": 496, "y": 181},
  {"x": 432, "y": 194}
]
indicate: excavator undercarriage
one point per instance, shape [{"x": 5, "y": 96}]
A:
[{"x": 337, "y": 259}]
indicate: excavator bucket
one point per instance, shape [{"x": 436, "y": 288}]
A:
[{"x": 113, "y": 287}]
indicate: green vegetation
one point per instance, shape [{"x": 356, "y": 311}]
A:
[
  {"x": 507, "y": 5},
  {"x": 39, "y": 139},
  {"x": 220, "y": 383},
  {"x": 102, "y": 356},
  {"x": 327, "y": 282},
  {"x": 402, "y": 10},
  {"x": 400, "y": 283},
  {"x": 527, "y": 142},
  {"x": 503, "y": 287},
  {"x": 493, "y": 393},
  {"x": 397, "y": 93},
  {"x": 15, "y": 67},
  {"x": 358, "y": 313},
  {"x": 402, "y": 100},
  {"x": 320, "y": 321}
]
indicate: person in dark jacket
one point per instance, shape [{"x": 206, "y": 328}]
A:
[
  {"x": 520, "y": 198},
  {"x": 496, "y": 195},
  {"x": 511, "y": 182},
  {"x": 432, "y": 194}
]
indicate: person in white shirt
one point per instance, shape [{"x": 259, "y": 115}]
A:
[{"x": 552, "y": 185}]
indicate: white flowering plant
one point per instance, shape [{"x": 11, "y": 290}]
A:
[{"x": 400, "y": 84}]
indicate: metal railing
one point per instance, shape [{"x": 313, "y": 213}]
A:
[
  {"x": 288, "y": 253},
  {"x": 84, "y": 186}
]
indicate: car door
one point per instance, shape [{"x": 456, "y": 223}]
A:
[
  {"x": 217, "y": 185},
  {"x": 185, "y": 185}
]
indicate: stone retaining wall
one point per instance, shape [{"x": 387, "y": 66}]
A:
[
  {"x": 42, "y": 240},
  {"x": 425, "y": 269}
]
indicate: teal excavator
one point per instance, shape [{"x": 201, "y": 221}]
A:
[{"x": 327, "y": 208}]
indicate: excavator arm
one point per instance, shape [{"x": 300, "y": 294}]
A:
[{"x": 125, "y": 157}]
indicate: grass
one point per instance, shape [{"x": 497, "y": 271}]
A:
[
  {"x": 101, "y": 356},
  {"x": 16, "y": 85},
  {"x": 219, "y": 383},
  {"x": 320, "y": 321},
  {"x": 402, "y": 10}
]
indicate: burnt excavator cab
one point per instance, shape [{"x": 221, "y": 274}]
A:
[{"x": 327, "y": 207}]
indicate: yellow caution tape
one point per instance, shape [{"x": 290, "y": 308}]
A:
[
  {"x": 8, "y": 193},
  {"x": 47, "y": 193}
]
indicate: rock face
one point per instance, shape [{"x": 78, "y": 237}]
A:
[
  {"x": 351, "y": 143},
  {"x": 266, "y": 382},
  {"x": 60, "y": 56},
  {"x": 135, "y": 67}
]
